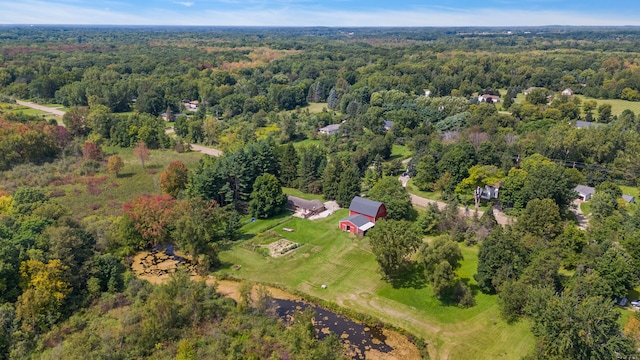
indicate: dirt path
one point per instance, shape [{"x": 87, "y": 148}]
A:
[
  {"x": 58, "y": 112},
  {"x": 501, "y": 217},
  {"x": 50, "y": 110}
]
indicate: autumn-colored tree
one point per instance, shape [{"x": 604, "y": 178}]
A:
[
  {"x": 115, "y": 164},
  {"x": 142, "y": 152},
  {"x": 151, "y": 217},
  {"x": 91, "y": 151},
  {"x": 44, "y": 291},
  {"x": 174, "y": 178}
]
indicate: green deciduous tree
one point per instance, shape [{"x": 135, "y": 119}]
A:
[
  {"x": 440, "y": 259},
  {"x": 393, "y": 242},
  {"x": 390, "y": 192},
  {"x": 501, "y": 257},
  {"x": 426, "y": 173},
  {"x": 267, "y": 198}
]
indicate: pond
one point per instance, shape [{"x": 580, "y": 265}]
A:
[{"x": 359, "y": 337}]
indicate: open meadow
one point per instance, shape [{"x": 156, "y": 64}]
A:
[{"x": 346, "y": 265}]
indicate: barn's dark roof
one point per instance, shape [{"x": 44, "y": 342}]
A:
[
  {"x": 365, "y": 206},
  {"x": 357, "y": 220},
  {"x": 311, "y": 205}
]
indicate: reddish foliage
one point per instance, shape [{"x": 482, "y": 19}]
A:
[
  {"x": 141, "y": 152},
  {"x": 91, "y": 151},
  {"x": 151, "y": 171},
  {"x": 4, "y": 192},
  {"x": 151, "y": 215},
  {"x": 174, "y": 178}
]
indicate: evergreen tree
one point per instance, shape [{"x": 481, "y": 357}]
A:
[
  {"x": 332, "y": 100},
  {"x": 427, "y": 173},
  {"x": 288, "y": 164},
  {"x": 267, "y": 198},
  {"x": 349, "y": 186},
  {"x": 331, "y": 179}
]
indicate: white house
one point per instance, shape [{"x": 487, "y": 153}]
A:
[
  {"x": 330, "y": 129},
  {"x": 491, "y": 99},
  {"x": 567, "y": 92}
]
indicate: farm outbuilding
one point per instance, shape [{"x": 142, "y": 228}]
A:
[{"x": 363, "y": 213}]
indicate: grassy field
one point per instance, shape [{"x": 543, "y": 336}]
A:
[
  {"x": 617, "y": 106},
  {"x": 109, "y": 192},
  {"x": 400, "y": 151},
  {"x": 300, "y": 194},
  {"x": 346, "y": 265}
]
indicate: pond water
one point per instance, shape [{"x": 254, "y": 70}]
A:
[{"x": 360, "y": 337}]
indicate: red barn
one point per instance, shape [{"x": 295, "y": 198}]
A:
[{"x": 363, "y": 213}]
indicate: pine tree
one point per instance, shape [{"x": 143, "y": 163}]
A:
[
  {"x": 288, "y": 165},
  {"x": 349, "y": 186},
  {"x": 332, "y": 100},
  {"x": 331, "y": 179}
]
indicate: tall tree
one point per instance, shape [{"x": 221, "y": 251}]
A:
[
  {"x": 393, "y": 242},
  {"x": 440, "y": 259},
  {"x": 501, "y": 257},
  {"x": 390, "y": 192},
  {"x": 331, "y": 179},
  {"x": 348, "y": 187},
  {"x": 174, "y": 178},
  {"x": 141, "y": 152},
  {"x": 115, "y": 164},
  {"x": 267, "y": 198}
]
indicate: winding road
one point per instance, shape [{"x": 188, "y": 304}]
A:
[{"x": 58, "y": 112}]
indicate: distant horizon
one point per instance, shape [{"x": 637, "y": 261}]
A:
[{"x": 328, "y": 13}]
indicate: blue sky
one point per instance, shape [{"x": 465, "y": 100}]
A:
[{"x": 321, "y": 12}]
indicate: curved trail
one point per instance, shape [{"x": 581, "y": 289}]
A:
[{"x": 58, "y": 112}]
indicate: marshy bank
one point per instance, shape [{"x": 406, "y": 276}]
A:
[{"x": 361, "y": 340}]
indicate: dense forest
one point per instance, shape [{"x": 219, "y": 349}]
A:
[{"x": 533, "y": 112}]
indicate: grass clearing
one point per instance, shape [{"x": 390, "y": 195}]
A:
[
  {"x": 400, "y": 151},
  {"x": 346, "y": 265},
  {"x": 306, "y": 142},
  {"x": 109, "y": 192},
  {"x": 300, "y": 194},
  {"x": 617, "y": 105}
]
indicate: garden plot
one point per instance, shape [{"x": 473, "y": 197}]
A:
[{"x": 281, "y": 247}]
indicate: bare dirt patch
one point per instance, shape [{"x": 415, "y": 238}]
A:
[{"x": 157, "y": 265}]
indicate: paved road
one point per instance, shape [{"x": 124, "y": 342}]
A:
[{"x": 50, "y": 110}]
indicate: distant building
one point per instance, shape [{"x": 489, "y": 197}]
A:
[
  {"x": 490, "y": 192},
  {"x": 330, "y": 129},
  {"x": 388, "y": 124},
  {"x": 567, "y": 92},
  {"x": 629, "y": 198},
  {"x": 363, "y": 214},
  {"x": 585, "y": 192},
  {"x": 191, "y": 105},
  {"x": 305, "y": 207},
  {"x": 491, "y": 99},
  {"x": 585, "y": 124},
  {"x": 427, "y": 93},
  {"x": 526, "y": 92}
]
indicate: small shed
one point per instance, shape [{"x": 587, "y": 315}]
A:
[
  {"x": 585, "y": 192},
  {"x": 356, "y": 224},
  {"x": 388, "y": 124},
  {"x": 629, "y": 198}
]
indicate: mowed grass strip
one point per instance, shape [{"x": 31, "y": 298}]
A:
[{"x": 347, "y": 266}]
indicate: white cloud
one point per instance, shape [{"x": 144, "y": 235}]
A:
[
  {"x": 185, "y": 3},
  {"x": 44, "y": 12}
]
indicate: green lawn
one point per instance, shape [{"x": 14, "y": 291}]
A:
[
  {"x": 300, "y": 194},
  {"x": 412, "y": 189},
  {"x": 347, "y": 266},
  {"x": 400, "y": 151},
  {"x": 617, "y": 105}
]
